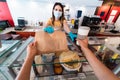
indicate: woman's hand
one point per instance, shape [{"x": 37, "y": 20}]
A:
[
  {"x": 72, "y": 36},
  {"x": 31, "y": 50},
  {"x": 83, "y": 43},
  {"x": 49, "y": 29}
]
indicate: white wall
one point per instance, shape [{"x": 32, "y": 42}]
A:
[
  {"x": 40, "y": 10},
  {"x": 117, "y": 24}
]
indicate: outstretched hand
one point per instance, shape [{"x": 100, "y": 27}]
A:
[
  {"x": 31, "y": 50},
  {"x": 83, "y": 43},
  {"x": 49, "y": 29},
  {"x": 24, "y": 73}
]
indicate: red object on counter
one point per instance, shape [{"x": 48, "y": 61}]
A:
[{"x": 5, "y": 13}]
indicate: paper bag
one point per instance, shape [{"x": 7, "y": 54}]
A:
[{"x": 49, "y": 43}]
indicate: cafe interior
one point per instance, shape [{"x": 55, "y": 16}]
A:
[{"x": 23, "y": 22}]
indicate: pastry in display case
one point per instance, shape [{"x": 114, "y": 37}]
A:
[
  {"x": 70, "y": 60},
  {"x": 58, "y": 69}
]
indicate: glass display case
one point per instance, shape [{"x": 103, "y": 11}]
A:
[
  {"x": 12, "y": 52},
  {"x": 47, "y": 67},
  {"x": 109, "y": 53}
]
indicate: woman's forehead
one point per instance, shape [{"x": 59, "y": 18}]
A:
[{"x": 57, "y": 7}]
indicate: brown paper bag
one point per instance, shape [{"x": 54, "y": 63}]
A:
[{"x": 48, "y": 43}]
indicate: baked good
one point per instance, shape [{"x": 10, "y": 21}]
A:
[
  {"x": 57, "y": 67},
  {"x": 70, "y": 59}
]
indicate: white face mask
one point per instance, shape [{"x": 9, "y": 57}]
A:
[{"x": 57, "y": 14}]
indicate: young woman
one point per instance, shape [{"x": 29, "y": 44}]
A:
[{"x": 58, "y": 22}]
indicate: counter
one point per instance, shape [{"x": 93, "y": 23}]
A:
[
  {"x": 103, "y": 34},
  {"x": 9, "y": 68},
  {"x": 27, "y": 29}
]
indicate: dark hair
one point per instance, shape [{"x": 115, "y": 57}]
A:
[{"x": 62, "y": 17}]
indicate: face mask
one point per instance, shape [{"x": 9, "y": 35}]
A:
[{"x": 57, "y": 14}]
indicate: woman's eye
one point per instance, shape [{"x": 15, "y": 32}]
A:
[{"x": 60, "y": 10}]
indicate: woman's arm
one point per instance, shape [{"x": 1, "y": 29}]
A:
[
  {"x": 65, "y": 26},
  {"x": 48, "y": 23},
  {"x": 24, "y": 73},
  {"x": 101, "y": 71}
]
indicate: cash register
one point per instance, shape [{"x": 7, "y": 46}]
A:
[{"x": 21, "y": 24}]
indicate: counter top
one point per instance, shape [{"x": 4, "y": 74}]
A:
[
  {"x": 100, "y": 33},
  {"x": 35, "y": 29},
  {"x": 107, "y": 34},
  {"x": 27, "y": 29}
]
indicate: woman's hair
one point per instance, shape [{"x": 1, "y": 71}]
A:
[{"x": 62, "y": 17}]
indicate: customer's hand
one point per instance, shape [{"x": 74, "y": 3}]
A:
[
  {"x": 49, "y": 29},
  {"x": 31, "y": 50},
  {"x": 83, "y": 43}
]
